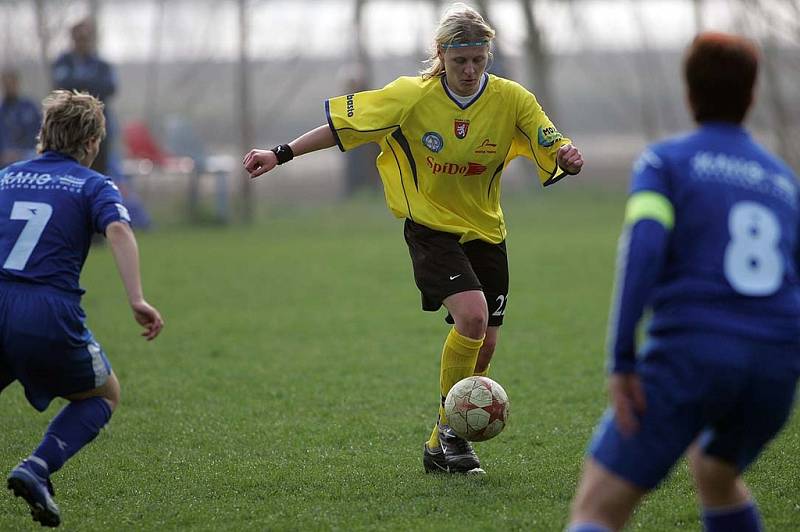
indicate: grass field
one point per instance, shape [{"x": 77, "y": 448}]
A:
[{"x": 296, "y": 380}]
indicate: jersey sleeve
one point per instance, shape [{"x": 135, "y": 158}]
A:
[
  {"x": 649, "y": 219},
  {"x": 368, "y": 116},
  {"x": 535, "y": 136},
  {"x": 105, "y": 204}
]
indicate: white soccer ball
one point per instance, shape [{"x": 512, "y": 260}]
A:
[{"x": 477, "y": 408}]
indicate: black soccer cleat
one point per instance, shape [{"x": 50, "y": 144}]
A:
[
  {"x": 37, "y": 492},
  {"x": 433, "y": 460},
  {"x": 458, "y": 453},
  {"x": 454, "y": 455}
]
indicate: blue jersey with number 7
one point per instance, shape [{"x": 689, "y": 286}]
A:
[
  {"x": 49, "y": 208},
  {"x": 710, "y": 242}
]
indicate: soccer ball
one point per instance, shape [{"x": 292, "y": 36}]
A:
[{"x": 476, "y": 408}]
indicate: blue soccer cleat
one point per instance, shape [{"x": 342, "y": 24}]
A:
[{"x": 37, "y": 492}]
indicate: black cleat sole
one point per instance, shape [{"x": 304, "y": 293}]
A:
[{"x": 39, "y": 513}]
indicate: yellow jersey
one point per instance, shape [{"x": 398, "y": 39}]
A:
[{"x": 441, "y": 161}]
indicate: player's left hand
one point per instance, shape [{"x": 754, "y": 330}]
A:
[
  {"x": 148, "y": 317},
  {"x": 569, "y": 159},
  {"x": 627, "y": 397}
]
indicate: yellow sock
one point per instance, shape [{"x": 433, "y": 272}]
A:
[
  {"x": 434, "y": 439},
  {"x": 483, "y": 373},
  {"x": 458, "y": 361}
]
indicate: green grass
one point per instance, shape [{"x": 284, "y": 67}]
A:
[{"x": 296, "y": 380}]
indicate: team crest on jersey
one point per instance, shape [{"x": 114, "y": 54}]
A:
[
  {"x": 548, "y": 136},
  {"x": 461, "y": 128},
  {"x": 433, "y": 141}
]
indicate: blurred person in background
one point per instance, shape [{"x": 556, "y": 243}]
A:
[
  {"x": 19, "y": 120},
  {"x": 445, "y": 138},
  {"x": 710, "y": 244},
  {"x": 83, "y": 70},
  {"x": 50, "y": 207}
]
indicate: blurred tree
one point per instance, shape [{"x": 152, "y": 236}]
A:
[
  {"x": 698, "y": 15},
  {"x": 360, "y": 169},
  {"x": 151, "y": 111},
  {"x": 362, "y": 57},
  {"x": 755, "y": 15},
  {"x": 647, "y": 75},
  {"x": 43, "y": 32},
  {"x": 539, "y": 61},
  {"x": 499, "y": 65},
  {"x": 242, "y": 103}
]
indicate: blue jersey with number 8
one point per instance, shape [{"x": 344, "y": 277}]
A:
[
  {"x": 723, "y": 213},
  {"x": 49, "y": 209}
]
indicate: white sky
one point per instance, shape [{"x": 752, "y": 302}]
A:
[{"x": 323, "y": 28}]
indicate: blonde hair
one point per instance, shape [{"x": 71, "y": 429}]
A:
[
  {"x": 460, "y": 24},
  {"x": 71, "y": 121}
]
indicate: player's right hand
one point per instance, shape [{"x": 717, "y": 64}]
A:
[
  {"x": 258, "y": 162},
  {"x": 148, "y": 317},
  {"x": 627, "y": 398}
]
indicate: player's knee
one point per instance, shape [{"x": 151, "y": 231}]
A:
[
  {"x": 585, "y": 504},
  {"x": 718, "y": 483},
  {"x": 603, "y": 498},
  {"x": 112, "y": 392},
  {"x": 473, "y": 322}
]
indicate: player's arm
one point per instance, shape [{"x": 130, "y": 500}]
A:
[
  {"x": 126, "y": 254},
  {"x": 258, "y": 162},
  {"x": 353, "y": 120},
  {"x": 640, "y": 258},
  {"x": 649, "y": 218},
  {"x": 110, "y": 217},
  {"x": 538, "y": 139}
]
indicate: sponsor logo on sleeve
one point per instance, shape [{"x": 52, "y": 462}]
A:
[
  {"x": 486, "y": 147},
  {"x": 433, "y": 141},
  {"x": 548, "y": 136},
  {"x": 460, "y": 128},
  {"x": 351, "y": 106}
]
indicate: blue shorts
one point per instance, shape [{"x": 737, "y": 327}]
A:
[
  {"x": 45, "y": 344},
  {"x": 732, "y": 395}
]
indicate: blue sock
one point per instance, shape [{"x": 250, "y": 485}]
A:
[
  {"x": 587, "y": 527},
  {"x": 76, "y": 425},
  {"x": 740, "y": 518}
]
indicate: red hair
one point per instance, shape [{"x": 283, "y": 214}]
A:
[{"x": 721, "y": 71}]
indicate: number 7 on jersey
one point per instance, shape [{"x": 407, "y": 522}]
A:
[{"x": 37, "y": 215}]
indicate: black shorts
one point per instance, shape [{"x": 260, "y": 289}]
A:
[{"x": 443, "y": 267}]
